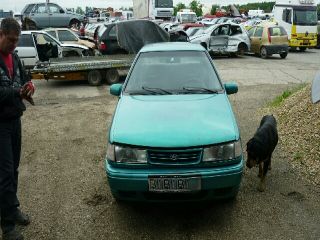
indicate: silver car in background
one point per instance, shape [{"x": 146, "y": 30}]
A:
[
  {"x": 224, "y": 38},
  {"x": 44, "y": 15}
]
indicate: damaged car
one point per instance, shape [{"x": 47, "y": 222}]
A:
[
  {"x": 129, "y": 36},
  {"x": 35, "y": 46},
  {"x": 226, "y": 38}
]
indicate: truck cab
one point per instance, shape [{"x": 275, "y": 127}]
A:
[
  {"x": 299, "y": 19},
  {"x": 186, "y": 16}
]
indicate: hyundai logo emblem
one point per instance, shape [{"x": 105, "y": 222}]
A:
[{"x": 174, "y": 157}]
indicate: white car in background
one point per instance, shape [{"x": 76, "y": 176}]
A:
[
  {"x": 66, "y": 35},
  {"x": 35, "y": 46},
  {"x": 224, "y": 38}
]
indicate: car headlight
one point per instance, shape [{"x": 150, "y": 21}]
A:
[
  {"x": 222, "y": 152},
  {"x": 121, "y": 154}
]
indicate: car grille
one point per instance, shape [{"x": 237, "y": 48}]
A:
[
  {"x": 164, "y": 14},
  {"x": 174, "y": 157}
]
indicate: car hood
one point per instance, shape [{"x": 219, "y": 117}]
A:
[
  {"x": 81, "y": 42},
  {"x": 70, "y": 45},
  {"x": 173, "y": 120}
]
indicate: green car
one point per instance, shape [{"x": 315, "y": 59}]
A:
[{"x": 173, "y": 136}]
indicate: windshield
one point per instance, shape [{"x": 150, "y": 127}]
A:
[
  {"x": 188, "y": 18},
  {"x": 305, "y": 17},
  {"x": 164, "y": 3},
  {"x": 176, "y": 72}
]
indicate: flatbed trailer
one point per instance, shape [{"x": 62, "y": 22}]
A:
[{"x": 93, "y": 69}]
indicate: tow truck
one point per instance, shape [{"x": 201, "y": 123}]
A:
[{"x": 94, "y": 69}]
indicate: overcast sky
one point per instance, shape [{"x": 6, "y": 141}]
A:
[{"x": 17, "y": 5}]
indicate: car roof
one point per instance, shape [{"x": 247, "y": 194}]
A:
[
  {"x": 54, "y": 29},
  {"x": 172, "y": 46},
  {"x": 33, "y": 31}
]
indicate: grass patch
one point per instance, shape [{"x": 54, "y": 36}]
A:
[{"x": 287, "y": 93}]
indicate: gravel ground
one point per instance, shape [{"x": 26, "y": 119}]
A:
[
  {"x": 299, "y": 130},
  {"x": 64, "y": 188}
]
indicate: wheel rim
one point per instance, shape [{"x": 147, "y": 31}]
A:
[
  {"x": 263, "y": 52},
  {"x": 112, "y": 76},
  {"x": 94, "y": 77}
]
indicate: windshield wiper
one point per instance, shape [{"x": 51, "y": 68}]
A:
[
  {"x": 156, "y": 90},
  {"x": 201, "y": 89}
]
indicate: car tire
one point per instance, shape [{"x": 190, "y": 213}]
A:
[
  {"x": 112, "y": 76},
  {"x": 94, "y": 78},
  {"x": 283, "y": 55},
  {"x": 74, "y": 23},
  {"x": 242, "y": 48},
  {"x": 302, "y": 49},
  {"x": 29, "y": 25},
  {"x": 263, "y": 53}
]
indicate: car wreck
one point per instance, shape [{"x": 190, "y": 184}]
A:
[
  {"x": 129, "y": 36},
  {"x": 225, "y": 38}
]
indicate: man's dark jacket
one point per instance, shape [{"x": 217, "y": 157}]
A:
[{"x": 11, "y": 105}]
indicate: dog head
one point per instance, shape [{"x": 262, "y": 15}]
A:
[{"x": 252, "y": 153}]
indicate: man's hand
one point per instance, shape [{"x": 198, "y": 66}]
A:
[{"x": 27, "y": 91}]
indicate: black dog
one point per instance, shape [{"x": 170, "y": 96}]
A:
[{"x": 261, "y": 146}]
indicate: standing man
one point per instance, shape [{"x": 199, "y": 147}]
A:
[{"x": 14, "y": 87}]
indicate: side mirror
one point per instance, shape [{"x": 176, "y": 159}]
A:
[
  {"x": 61, "y": 11},
  {"x": 231, "y": 88},
  {"x": 115, "y": 89}
]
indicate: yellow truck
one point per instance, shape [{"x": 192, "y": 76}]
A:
[{"x": 299, "y": 19}]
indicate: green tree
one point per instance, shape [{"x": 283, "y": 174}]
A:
[
  {"x": 196, "y": 7},
  {"x": 178, "y": 7},
  {"x": 79, "y": 10},
  {"x": 214, "y": 9}
]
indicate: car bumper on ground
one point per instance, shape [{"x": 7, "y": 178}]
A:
[
  {"x": 216, "y": 183},
  {"x": 277, "y": 49}
]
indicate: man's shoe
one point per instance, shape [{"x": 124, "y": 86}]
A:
[
  {"x": 12, "y": 235},
  {"x": 21, "y": 218}
]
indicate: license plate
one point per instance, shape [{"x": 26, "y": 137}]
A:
[
  {"x": 305, "y": 41},
  {"x": 174, "y": 184}
]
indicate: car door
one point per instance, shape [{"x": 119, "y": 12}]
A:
[
  {"x": 47, "y": 47},
  {"x": 26, "y": 50},
  {"x": 219, "y": 38},
  {"x": 58, "y": 17},
  {"x": 40, "y": 15},
  {"x": 256, "y": 39}
]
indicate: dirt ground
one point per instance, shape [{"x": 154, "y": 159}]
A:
[{"x": 63, "y": 184}]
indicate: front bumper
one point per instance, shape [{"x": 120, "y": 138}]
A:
[{"x": 216, "y": 183}]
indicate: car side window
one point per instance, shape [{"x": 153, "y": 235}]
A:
[
  {"x": 29, "y": 9},
  {"x": 52, "y": 33},
  {"x": 40, "y": 8},
  {"x": 112, "y": 32},
  {"x": 54, "y": 8},
  {"x": 224, "y": 30},
  {"x": 251, "y": 31},
  {"x": 258, "y": 32},
  {"x": 234, "y": 30},
  {"x": 25, "y": 40}
]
